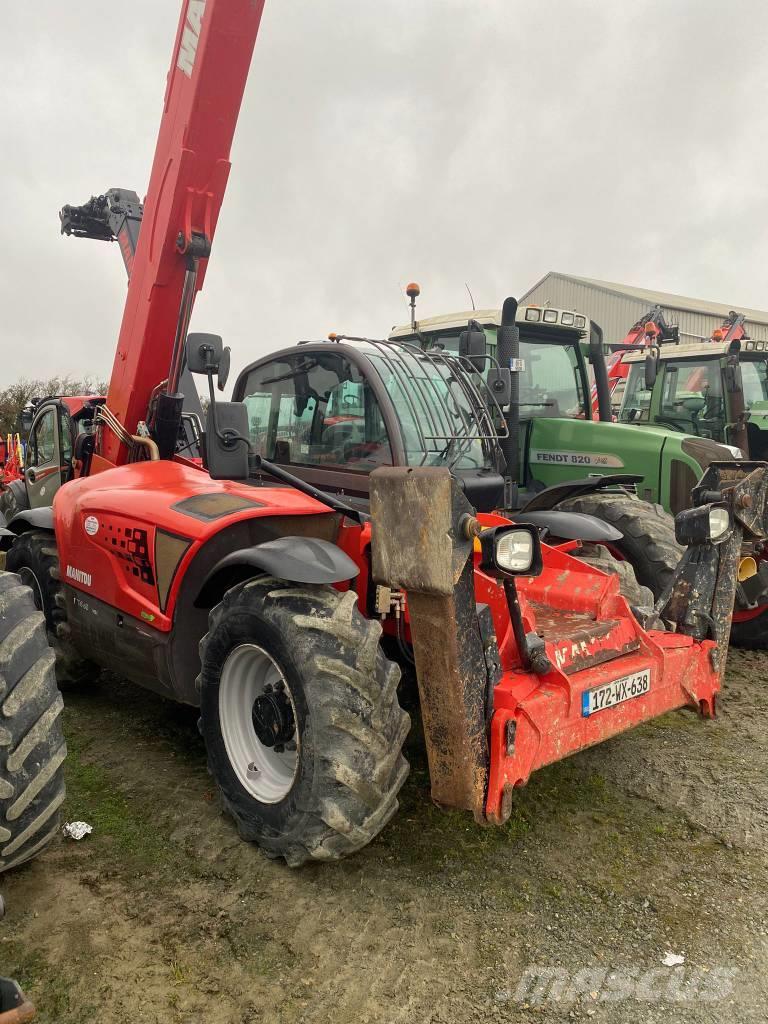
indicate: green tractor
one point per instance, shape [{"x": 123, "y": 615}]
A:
[
  {"x": 569, "y": 458},
  {"x": 700, "y": 393}
]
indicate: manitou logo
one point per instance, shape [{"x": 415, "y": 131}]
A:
[
  {"x": 190, "y": 37},
  {"x": 79, "y": 576}
]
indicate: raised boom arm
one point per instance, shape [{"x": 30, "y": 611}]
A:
[{"x": 209, "y": 69}]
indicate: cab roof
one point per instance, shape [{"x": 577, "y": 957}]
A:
[
  {"x": 694, "y": 350},
  {"x": 492, "y": 318}
]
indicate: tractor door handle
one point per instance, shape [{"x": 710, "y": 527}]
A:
[{"x": 30, "y": 474}]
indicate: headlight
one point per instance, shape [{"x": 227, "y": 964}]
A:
[
  {"x": 532, "y": 314},
  {"x": 550, "y": 316},
  {"x": 700, "y": 525},
  {"x": 510, "y": 551},
  {"x": 719, "y": 521},
  {"x": 567, "y": 319}
]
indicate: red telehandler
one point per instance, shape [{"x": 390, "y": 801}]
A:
[{"x": 284, "y": 605}]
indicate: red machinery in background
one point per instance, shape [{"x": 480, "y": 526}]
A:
[
  {"x": 653, "y": 329},
  {"x": 649, "y": 330}
]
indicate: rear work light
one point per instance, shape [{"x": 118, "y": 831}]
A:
[
  {"x": 550, "y": 316},
  {"x": 533, "y": 314},
  {"x": 581, "y": 321},
  {"x": 567, "y": 319}
]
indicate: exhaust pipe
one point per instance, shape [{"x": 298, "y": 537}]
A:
[{"x": 508, "y": 355}]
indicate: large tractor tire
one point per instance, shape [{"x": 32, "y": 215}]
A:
[
  {"x": 32, "y": 747},
  {"x": 301, "y": 720},
  {"x": 648, "y": 535},
  {"x": 33, "y": 556},
  {"x": 751, "y": 634},
  {"x": 639, "y": 597},
  {"x": 13, "y": 499}
]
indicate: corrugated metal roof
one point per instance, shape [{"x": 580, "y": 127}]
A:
[{"x": 666, "y": 299}]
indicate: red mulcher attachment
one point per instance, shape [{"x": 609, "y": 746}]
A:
[{"x": 525, "y": 654}]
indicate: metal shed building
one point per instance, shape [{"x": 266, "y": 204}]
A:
[{"x": 616, "y": 307}]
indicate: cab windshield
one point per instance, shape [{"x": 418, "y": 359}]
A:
[
  {"x": 551, "y": 382},
  {"x": 437, "y": 422}
]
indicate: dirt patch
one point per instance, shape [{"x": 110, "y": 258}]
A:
[{"x": 651, "y": 843}]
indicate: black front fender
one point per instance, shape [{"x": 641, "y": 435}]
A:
[
  {"x": 571, "y": 526},
  {"x": 29, "y": 519},
  {"x": 294, "y": 559}
]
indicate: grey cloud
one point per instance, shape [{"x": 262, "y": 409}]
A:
[{"x": 445, "y": 141}]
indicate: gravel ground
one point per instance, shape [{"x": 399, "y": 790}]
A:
[{"x": 653, "y": 843}]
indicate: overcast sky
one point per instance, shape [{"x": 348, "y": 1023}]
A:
[{"x": 380, "y": 141}]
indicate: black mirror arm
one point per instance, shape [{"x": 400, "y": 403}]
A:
[{"x": 258, "y": 464}]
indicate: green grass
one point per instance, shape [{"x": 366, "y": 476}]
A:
[
  {"x": 47, "y": 986},
  {"x": 122, "y": 829}
]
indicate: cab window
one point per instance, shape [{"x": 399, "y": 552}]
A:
[
  {"x": 692, "y": 397},
  {"x": 550, "y": 382},
  {"x": 754, "y": 376},
  {"x": 316, "y": 409},
  {"x": 41, "y": 448},
  {"x": 636, "y": 404}
]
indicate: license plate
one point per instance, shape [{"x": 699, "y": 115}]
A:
[{"x": 600, "y": 698}]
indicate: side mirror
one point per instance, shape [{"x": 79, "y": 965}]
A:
[
  {"x": 596, "y": 346},
  {"x": 226, "y": 451},
  {"x": 472, "y": 346},
  {"x": 204, "y": 353},
  {"x": 651, "y": 369},
  {"x": 26, "y": 419}
]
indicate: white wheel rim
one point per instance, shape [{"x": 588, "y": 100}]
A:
[{"x": 265, "y": 773}]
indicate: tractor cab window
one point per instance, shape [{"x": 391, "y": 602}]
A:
[
  {"x": 551, "y": 382},
  {"x": 315, "y": 409},
  {"x": 754, "y": 376},
  {"x": 41, "y": 448},
  {"x": 692, "y": 397},
  {"x": 636, "y": 403}
]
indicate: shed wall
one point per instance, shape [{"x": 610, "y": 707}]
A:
[{"x": 617, "y": 313}]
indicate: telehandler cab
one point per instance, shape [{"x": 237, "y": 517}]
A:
[{"x": 262, "y": 595}]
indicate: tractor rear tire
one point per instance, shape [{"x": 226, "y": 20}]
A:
[
  {"x": 638, "y": 596},
  {"x": 13, "y": 499},
  {"x": 328, "y": 789},
  {"x": 751, "y": 634},
  {"x": 33, "y": 556},
  {"x": 648, "y": 535},
  {"x": 32, "y": 747}
]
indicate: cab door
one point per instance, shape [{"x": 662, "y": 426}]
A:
[{"x": 48, "y": 457}]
